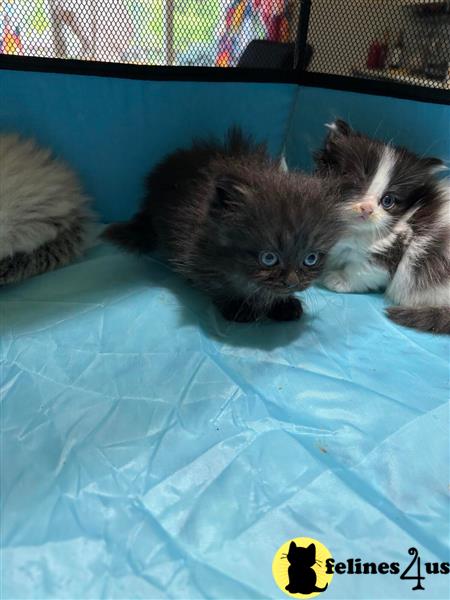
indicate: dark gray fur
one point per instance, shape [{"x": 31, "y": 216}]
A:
[
  {"x": 432, "y": 319},
  {"x": 212, "y": 208},
  {"x": 43, "y": 209},
  {"x": 391, "y": 258},
  {"x": 67, "y": 246}
]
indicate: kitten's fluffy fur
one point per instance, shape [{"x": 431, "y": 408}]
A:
[
  {"x": 214, "y": 208},
  {"x": 43, "y": 214},
  {"x": 404, "y": 248}
]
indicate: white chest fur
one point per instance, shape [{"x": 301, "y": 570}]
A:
[{"x": 349, "y": 269}]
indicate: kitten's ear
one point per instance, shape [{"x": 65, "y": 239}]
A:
[
  {"x": 283, "y": 164},
  {"x": 229, "y": 191},
  {"x": 312, "y": 549},
  {"x": 338, "y": 132},
  {"x": 338, "y": 128},
  {"x": 293, "y": 546},
  {"x": 432, "y": 164}
]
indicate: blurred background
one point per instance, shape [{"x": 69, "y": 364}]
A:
[{"x": 403, "y": 40}]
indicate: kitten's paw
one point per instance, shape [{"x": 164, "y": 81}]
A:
[
  {"x": 286, "y": 310},
  {"x": 336, "y": 281},
  {"x": 238, "y": 311}
]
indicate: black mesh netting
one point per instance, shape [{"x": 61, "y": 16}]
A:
[
  {"x": 397, "y": 40},
  {"x": 406, "y": 41},
  {"x": 153, "y": 32}
]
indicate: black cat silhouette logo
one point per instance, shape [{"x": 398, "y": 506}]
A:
[{"x": 299, "y": 568}]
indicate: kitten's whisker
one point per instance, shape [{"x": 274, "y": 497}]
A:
[
  {"x": 378, "y": 127},
  {"x": 428, "y": 150},
  {"x": 247, "y": 301}
]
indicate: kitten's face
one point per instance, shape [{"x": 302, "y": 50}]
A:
[
  {"x": 273, "y": 231},
  {"x": 377, "y": 182},
  {"x": 302, "y": 556}
]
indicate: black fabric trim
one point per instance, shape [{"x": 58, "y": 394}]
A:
[
  {"x": 156, "y": 73},
  {"x": 375, "y": 87},
  {"x": 218, "y": 74}
]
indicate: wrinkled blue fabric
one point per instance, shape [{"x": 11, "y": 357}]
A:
[{"x": 152, "y": 450}]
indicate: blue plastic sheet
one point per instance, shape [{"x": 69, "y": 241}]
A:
[{"x": 152, "y": 450}]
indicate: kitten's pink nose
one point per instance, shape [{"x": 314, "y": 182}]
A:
[
  {"x": 365, "y": 209},
  {"x": 291, "y": 280}
]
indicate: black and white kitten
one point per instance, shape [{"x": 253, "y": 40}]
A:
[
  {"x": 397, "y": 235},
  {"x": 44, "y": 216},
  {"x": 237, "y": 227}
]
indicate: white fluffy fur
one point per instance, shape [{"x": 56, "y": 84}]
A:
[
  {"x": 39, "y": 196},
  {"x": 402, "y": 288},
  {"x": 382, "y": 177},
  {"x": 348, "y": 266}
]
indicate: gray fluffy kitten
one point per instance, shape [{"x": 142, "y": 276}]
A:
[
  {"x": 238, "y": 228},
  {"x": 43, "y": 211}
]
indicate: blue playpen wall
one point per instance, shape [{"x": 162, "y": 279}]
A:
[
  {"x": 114, "y": 130},
  {"x": 420, "y": 126}
]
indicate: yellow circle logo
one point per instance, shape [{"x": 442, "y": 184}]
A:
[{"x": 299, "y": 568}]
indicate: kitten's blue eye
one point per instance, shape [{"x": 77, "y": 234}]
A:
[
  {"x": 268, "y": 259},
  {"x": 388, "y": 201},
  {"x": 311, "y": 259}
]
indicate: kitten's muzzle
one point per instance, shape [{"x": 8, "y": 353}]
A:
[
  {"x": 289, "y": 283},
  {"x": 364, "y": 209},
  {"x": 291, "y": 280}
]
